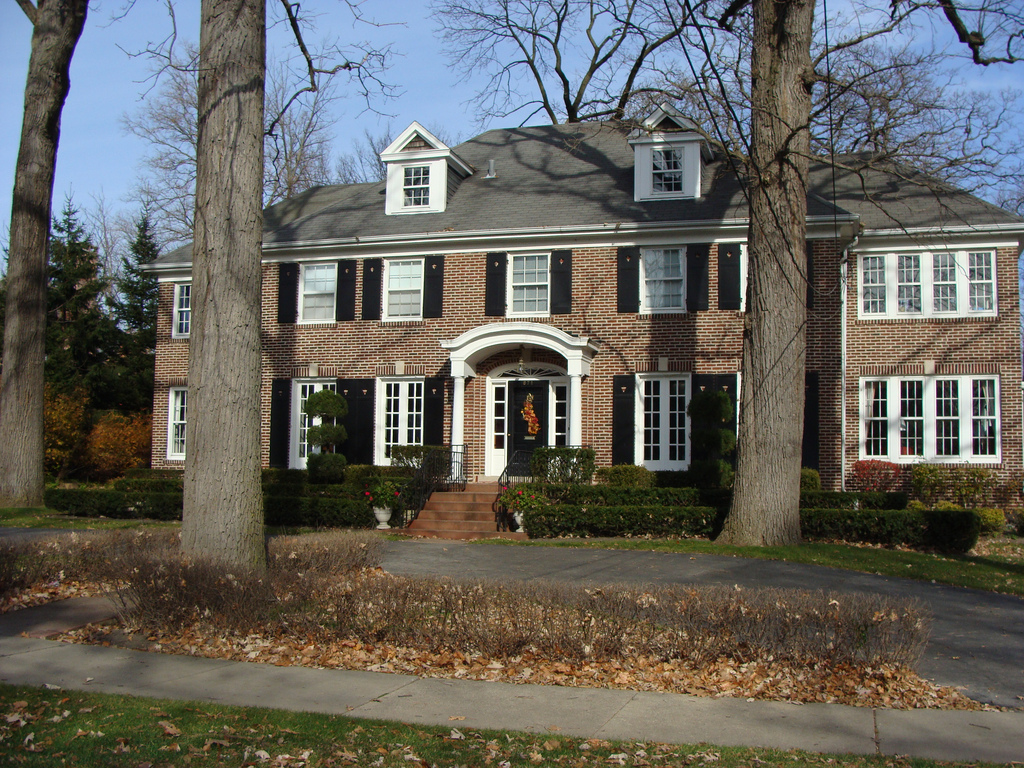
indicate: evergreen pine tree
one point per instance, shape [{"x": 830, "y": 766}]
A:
[
  {"x": 82, "y": 341},
  {"x": 134, "y": 306}
]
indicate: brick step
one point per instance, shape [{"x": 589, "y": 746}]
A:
[
  {"x": 450, "y": 497},
  {"x": 482, "y": 526},
  {"x": 465, "y": 535},
  {"x": 454, "y": 515},
  {"x": 458, "y": 506}
]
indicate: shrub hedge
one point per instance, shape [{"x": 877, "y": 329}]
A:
[
  {"x": 853, "y": 500},
  {"x": 611, "y": 495},
  {"x": 573, "y": 520},
  {"x": 316, "y": 512}
]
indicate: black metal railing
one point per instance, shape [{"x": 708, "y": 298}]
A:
[
  {"x": 516, "y": 471},
  {"x": 442, "y": 469}
]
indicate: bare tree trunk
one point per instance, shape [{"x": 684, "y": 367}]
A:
[
  {"x": 223, "y": 517},
  {"x": 766, "y": 495},
  {"x": 57, "y": 25}
]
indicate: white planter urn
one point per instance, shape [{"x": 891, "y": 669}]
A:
[
  {"x": 383, "y": 515},
  {"x": 518, "y": 517}
]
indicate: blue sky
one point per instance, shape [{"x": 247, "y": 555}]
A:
[{"x": 96, "y": 157}]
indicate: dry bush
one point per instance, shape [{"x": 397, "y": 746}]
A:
[
  {"x": 156, "y": 587},
  {"x": 118, "y": 442},
  {"x": 64, "y": 423},
  {"x": 698, "y": 624},
  {"x": 71, "y": 557}
]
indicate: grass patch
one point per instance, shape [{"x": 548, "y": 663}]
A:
[
  {"x": 1002, "y": 570},
  {"x": 52, "y": 727},
  {"x": 41, "y": 517}
]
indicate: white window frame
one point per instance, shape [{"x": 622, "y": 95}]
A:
[
  {"x": 931, "y": 388},
  {"x": 389, "y": 264},
  {"x": 643, "y": 162},
  {"x": 665, "y": 414},
  {"x": 177, "y": 416},
  {"x": 645, "y": 299},
  {"x": 890, "y": 296},
  {"x": 413, "y": 191},
  {"x": 299, "y": 451},
  {"x": 182, "y": 315},
  {"x": 406, "y": 410},
  {"x": 394, "y": 198},
  {"x": 511, "y": 289},
  {"x": 303, "y": 293}
]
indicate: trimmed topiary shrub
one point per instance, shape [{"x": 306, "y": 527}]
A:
[
  {"x": 952, "y": 530},
  {"x": 326, "y": 468},
  {"x": 626, "y": 476},
  {"x": 810, "y": 479},
  {"x": 563, "y": 465},
  {"x": 993, "y": 521}
]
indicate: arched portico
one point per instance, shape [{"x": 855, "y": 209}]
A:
[{"x": 478, "y": 344}]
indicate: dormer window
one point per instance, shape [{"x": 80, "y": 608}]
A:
[
  {"x": 669, "y": 156},
  {"x": 422, "y": 173},
  {"x": 667, "y": 170},
  {"x": 417, "y": 186}
]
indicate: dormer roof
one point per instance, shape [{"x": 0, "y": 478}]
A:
[
  {"x": 416, "y": 143},
  {"x": 668, "y": 124}
]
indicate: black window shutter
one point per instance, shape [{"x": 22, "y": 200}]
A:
[
  {"x": 280, "y": 421},
  {"x": 433, "y": 411},
  {"x": 359, "y": 393},
  {"x": 561, "y": 282},
  {"x": 729, "y": 276},
  {"x": 624, "y": 419},
  {"x": 287, "y": 293},
  {"x": 628, "y": 279},
  {"x": 810, "y": 281},
  {"x": 433, "y": 286},
  {"x": 345, "y": 304},
  {"x": 697, "y": 257},
  {"x": 371, "y": 288},
  {"x": 811, "y": 421},
  {"x": 494, "y": 298}
]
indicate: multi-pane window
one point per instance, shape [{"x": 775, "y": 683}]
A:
[
  {"x": 182, "y": 323},
  {"x": 304, "y": 422},
  {"x": 928, "y": 284},
  {"x": 663, "y": 280},
  {"x": 908, "y": 287},
  {"x": 876, "y": 418},
  {"x": 319, "y": 282},
  {"x": 530, "y": 284},
  {"x": 667, "y": 170},
  {"x": 176, "y": 423},
  {"x": 873, "y": 284},
  {"x": 561, "y": 430},
  {"x": 402, "y": 414},
  {"x": 911, "y": 417},
  {"x": 664, "y": 430},
  {"x": 929, "y": 418},
  {"x": 944, "y": 282},
  {"x": 983, "y": 417},
  {"x": 416, "y": 186},
  {"x": 404, "y": 292},
  {"x": 981, "y": 279}
]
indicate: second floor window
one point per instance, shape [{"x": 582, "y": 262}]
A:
[
  {"x": 928, "y": 284},
  {"x": 317, "y": 294},
  {"x": 417, "y": 186},
  {"x": 182, "y": 322},
  {"x": 530, "y": 284},
  {"x": 663, "y": 284},
  {"x": 404, "y": 289}
]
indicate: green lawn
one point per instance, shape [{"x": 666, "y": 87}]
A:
[
  {"x": 41, "y": 727},
  {"x": 40, "y": 517},
  {"x": 1002, "y": 570}
]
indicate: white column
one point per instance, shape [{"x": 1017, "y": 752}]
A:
[
  {"x": 458, "y": 406},
  {"x": 575, "y": 436}
]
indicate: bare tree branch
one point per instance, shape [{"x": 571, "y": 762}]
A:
[{"x": 29, "y": 9}]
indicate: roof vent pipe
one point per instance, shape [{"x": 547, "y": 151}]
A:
[{"x": 490, "y": 170}]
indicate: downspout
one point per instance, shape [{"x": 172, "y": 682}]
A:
[{"x": 844, "y": 266}]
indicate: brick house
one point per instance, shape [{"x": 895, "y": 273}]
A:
[{"x": 598, "y": 272}]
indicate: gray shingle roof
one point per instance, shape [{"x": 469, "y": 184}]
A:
[{"x": 582, "y": 174}]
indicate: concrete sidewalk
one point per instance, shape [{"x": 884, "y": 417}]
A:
[{"x": 28, "y": 659}]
